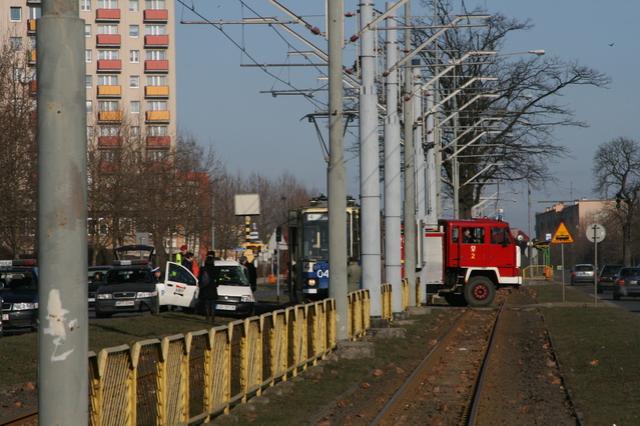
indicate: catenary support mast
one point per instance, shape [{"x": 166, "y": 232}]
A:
[{"x": 62, "y": 217}]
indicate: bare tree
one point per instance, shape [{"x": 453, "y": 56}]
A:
[
  {"x": 527, "y": 92},
  {"x": 616, "y": 167},
  {"x": 18, "y": 152}
]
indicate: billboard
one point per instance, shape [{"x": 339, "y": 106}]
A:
[{"x": 247, "y": 204}]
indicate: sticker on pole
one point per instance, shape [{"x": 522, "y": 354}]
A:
[{"x": 562, "y": 235}]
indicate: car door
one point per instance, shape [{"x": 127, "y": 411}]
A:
[{"x": 180, "y": 286}]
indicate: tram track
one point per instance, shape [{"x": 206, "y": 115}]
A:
[
  {"x": 26, "y": 419},
  {"x": 447, "y": 384}
]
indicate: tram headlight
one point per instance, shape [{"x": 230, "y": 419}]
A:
[{"x": 311, "y": 282}]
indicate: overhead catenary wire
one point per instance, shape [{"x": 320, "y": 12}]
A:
[{"x": 248, "y": 55}]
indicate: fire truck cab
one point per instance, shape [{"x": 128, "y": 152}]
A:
[{"x": 472, "y": 258}]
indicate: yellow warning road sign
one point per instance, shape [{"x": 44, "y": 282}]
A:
[{"x": 562, "y": 235}]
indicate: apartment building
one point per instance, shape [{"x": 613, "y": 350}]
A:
[{"x": 130, "y": 67}]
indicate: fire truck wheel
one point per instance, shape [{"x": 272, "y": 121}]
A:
[{"x": 479, "y": 292}]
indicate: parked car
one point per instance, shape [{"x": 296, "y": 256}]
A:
[
  {"x": 582, "y": 273},
  {"x": 627, "y": 283},
  {"x": 19, "y": 294},
  {"x": 234, "y": 290},
  {"x": 607, "y": 277},
  {"x": 130, "y": 287},
  {"x": 97, "y": 276}
]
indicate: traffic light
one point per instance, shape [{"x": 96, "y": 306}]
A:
[{"x": 278, "y": 234}]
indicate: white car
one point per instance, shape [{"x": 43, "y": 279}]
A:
[{"x": 234, "y": 290}]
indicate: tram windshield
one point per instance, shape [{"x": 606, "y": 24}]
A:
[{"x": 316, "y": 236}]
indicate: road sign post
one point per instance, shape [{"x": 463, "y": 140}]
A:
[
  {"x": 562, "y": 236},
  {"x": 595, "y": 233}
]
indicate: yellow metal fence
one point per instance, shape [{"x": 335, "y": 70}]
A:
[
  {"x": 537, "y": 272},
  {"x": 404, "y": 288},
  {"x": 387, "y": 313},
  {"x": 186, "y": 378}
]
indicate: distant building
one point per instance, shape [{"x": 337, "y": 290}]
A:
[
  {"x": 130, "y": 67},
  {"x": 576, "y": 217}
]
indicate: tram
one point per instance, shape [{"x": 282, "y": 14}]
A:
[{"x": 308, "y": 241}]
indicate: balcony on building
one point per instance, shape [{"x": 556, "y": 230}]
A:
[
  {"x": 109, "y": 142},
  {"x": 156, "y": 15},
  {"x": 159, "y": 142},
  {"x": 109, "y": 116},
  {"x": 156, "y": 41},
  {"x": 109, "y": 65},
  {"x": 157, "y": 116},
  {"x": 108, "y": 40},
  {"x": 31, "y": 56},
  {"x": 109, "y": 91},
  {"x": 152, "y": 65},
  {"x": 156, "y": 91},
  {"x": 33, "y": 87},
  {"x": 110, "y": 15},
  {"x": 31, "y": 26}
]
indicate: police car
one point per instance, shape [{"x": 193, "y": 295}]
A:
[{"x": 19, "y": 294}]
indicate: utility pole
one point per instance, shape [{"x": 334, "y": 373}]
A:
[
  {"x": 432, "y": 172},
  {"x": 419, "y": 162},
  {"x": 409, "y": 177},
  {"x": 369, "y": 162},
  {"x": 62, "y": 217},
  {"x": 336, "y": 174},
  {"x": 392, "y": 174}
]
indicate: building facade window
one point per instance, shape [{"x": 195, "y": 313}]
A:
[
  {"x": 108, "y": 54},
  {"x": 108, "y": 106},
  {"x": 87, "y": 55},
  {"x": 107, "y": 4},
  {"x": 157, "y": 106},
  {"x": 158, "y": 130},
  {"x": 107, "y": 29},
  {"x": 134, "y": 56},
  {"x": 155, "y": 29},
  {"x": 109, "y": 130},
  {"x": 15, "y": 42},
  {"x": 87, "y": 30},
  {"x": 89, "y": 133},
  {"x": 134, "y": 6},
  {"x": 155, "y": 4},
  {"x": 156, "y": 155},
  {"x": 15, "y": 14},
  {"x": 156, "y": 55},
  {"x": 35, "y": 12},
  {"x": 135, "y": 130},
  {"x": 134, "y": 81},
  {"x": 88, "y": 81},
  {"x": 107, "y": 80},
  {"x": 108, "y": 156},
  {"x": 85, "y": 5},
  {"x": 134, "y": 107},
  {"x": 134, "y": 30},
  {"x": 89, "y": 107},
  {"x": 156, "y": 80}
]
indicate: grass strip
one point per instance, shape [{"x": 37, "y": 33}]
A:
[
  {"x": 599, "y": 349},
  {"x": 19, "y": 353},
  {"x": 552, "y": 293}
]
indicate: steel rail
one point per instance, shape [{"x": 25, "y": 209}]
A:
[
  {"x": 21, "y": 419},
  {"x": 472, "y": 412}
]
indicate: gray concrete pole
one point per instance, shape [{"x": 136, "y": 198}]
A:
[
  {"x": 409, "y": 177},
  {"x": 369, "y": 163},
  {"x": 455, "y": 166},
  {"x": 336, "y": 175},
  {"x": 62, "y": 217},
  {"x": 420, "y": 166},
  {"x": 392, "y": 175},
  {"x": 431, "y": 218}
]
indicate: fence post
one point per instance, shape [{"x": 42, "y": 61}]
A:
[
  {"x": 162, "y": 383},
  {"x": 208, "y": 374},
  {"x": 228, "y": 370},
  {"x": 184, "y": 373},
  {"x": 134, "y": 354}
]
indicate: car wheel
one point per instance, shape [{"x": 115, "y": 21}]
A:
[{"x": 479, "y": 292}]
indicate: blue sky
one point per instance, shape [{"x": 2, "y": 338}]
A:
[{"x": 219, "y": 100}]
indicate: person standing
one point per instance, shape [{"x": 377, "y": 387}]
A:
[
  {"x": 208, "y": 289},
  {"x": 252, "y": 273},
  {"x": 181, "y": 254},
  {"x": 354, "y": 274},
  {"x": 187, "y": 261}
]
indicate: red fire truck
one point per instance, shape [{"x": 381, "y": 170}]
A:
[{"x": 471, "y": 258}]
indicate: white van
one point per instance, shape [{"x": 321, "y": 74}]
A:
[{"x": 234, "y": 290}]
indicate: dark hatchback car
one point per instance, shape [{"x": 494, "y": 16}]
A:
[
  {"x": 19, "y": 295},
  {"x": 130, "y": 287},
  {"x": 97, "y": 277},
  {"x": 627, "y": 283},
  {"x": 607, "y": 277}
]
